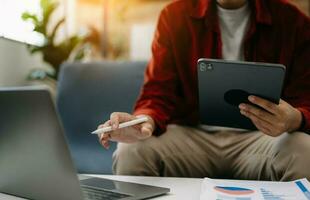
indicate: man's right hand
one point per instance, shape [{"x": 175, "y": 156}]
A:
[{"x": 126, "y": 135}]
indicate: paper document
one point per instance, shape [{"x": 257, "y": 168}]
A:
[{"x": 215, "y": 189}]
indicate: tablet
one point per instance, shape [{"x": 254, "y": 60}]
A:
[{"x": 223, "y": 85}]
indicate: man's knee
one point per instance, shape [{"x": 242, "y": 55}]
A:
[
  {"x": 297, "y": 143},
  {"x": 134, "y": 159},
  {"x": 292, "y": 159}
]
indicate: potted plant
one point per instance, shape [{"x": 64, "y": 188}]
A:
[{"x": 52, "y": 53}]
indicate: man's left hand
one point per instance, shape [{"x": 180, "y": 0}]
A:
[{"x": 270, "y": 118}]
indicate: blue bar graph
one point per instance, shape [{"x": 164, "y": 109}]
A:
[{"x": 303, "y": 189}]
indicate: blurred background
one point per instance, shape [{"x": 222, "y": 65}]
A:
[{"x": 36, "y": 36}]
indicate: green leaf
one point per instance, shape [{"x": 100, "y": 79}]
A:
[
  {"x": 40, "y": 29},
  {"x": 35, "y": 49},
  {"x": 48, "y": 9},
  {"x": 28, "y": 16},
  {"x": 79, "y": 55},
  {"x": 59, "y": 23}
]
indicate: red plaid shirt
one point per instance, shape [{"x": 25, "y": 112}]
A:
[{"x": 188, "y": 30}]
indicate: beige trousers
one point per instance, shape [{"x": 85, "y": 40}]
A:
[{"x": 190, "y": 152}]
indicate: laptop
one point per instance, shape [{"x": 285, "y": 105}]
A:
[
  {"x": 224, "y": 85},
  {"x": 35, "y": 161}
]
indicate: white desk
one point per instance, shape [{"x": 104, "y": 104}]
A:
[{"x": 180, "y": 188}]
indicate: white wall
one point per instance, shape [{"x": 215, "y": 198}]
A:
[
  {"x": 16, "y": 63},
  {"x": 141, "y": 38}
]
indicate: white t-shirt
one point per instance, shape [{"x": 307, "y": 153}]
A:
[{"x": 233, "y": 25}]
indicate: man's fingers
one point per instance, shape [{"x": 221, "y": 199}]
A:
[
  {"x": 266, "y": 126},
  {"x": 259, "y": 124},
  {"x": 260, "y": 113},
  {"x": 114, "y": 120},
  {"x": 262, "y": 128},
  {"x": 267, "y": 105},
  {"x": 253, "y": 116},
  {"x": 146, "y": 130},
  {"x": 126, "y": 135},
  {"x": 105, "y": 142},
  {"x": 104, "y": 136},
  {"x": 106, "y": 124},
  {"x": 118, "y": 117}
]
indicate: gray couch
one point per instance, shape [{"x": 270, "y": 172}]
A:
[{"x": 87, "y": 94}]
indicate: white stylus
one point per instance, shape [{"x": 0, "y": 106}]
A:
[{"x": 122, "y": 125}]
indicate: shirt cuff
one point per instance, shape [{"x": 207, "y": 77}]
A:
[
  {"x": 160, "y": 125},
  {"x": 305, "y": 124}
]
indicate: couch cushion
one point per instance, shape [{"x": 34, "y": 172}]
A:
[{"x": 87, "y": 94}]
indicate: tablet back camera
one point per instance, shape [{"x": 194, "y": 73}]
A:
[{"x": 205, "y": 67}]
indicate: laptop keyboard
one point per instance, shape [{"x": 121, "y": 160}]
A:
[{"x": 96, "y": 194}]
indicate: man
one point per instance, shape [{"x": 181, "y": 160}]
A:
[{"x": 252, "y": 30}]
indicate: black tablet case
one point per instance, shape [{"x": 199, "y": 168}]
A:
[{"x": 223, "y": 85}]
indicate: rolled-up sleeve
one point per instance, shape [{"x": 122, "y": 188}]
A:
[
  {"x": 298, "y": 88},
  {"x": 159, "y": 93}
]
